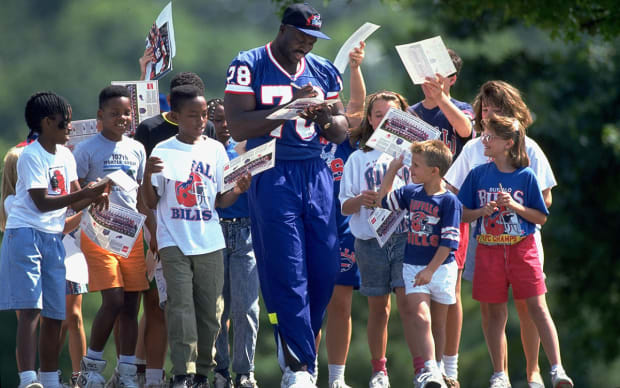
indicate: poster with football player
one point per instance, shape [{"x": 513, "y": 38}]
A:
[{"x": 161, "y": 38}]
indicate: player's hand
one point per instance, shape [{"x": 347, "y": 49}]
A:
[
  {"x": 305, "y": 92},
  {"x": 320, "y": 114},
  {"x": 153, "y": 243},
  {"x": 243, "y": 184},
  {"x": 488, "y": 209},
  {"x": 101, "y": 202},
  {"x": 423, "y": 277},
  {"x": 153, "y": 166},
  {"x": 369, "y": 198},
  {"x": 97, "y": 188},
  {"x": 356, "y": 56}
]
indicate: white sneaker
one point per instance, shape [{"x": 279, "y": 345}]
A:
[
  {"x": 429, "y": 379},
  {"x": 300, "y": 379},
  {"x": 559, "y": 379},
  {"x": 339, "y": 384},
  {"x": 32, "y": 384},
  {"x": 127, "y": 376},
  {"x": 379, "y": 380},
  {"x": 499, "y": 382},
  {"x": 90, "y": 374}
]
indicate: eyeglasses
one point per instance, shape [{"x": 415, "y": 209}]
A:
[{"x": 487, "y": 138}]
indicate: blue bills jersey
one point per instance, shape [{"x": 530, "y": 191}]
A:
[{"x": 256, "y": 72}]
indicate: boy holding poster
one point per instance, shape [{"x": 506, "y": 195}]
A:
[
  {"x": 118, "y": 278},
  {"x": 189, "y": 235}
]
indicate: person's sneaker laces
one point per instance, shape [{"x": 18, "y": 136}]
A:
[
  {"x": 245, "y": 381},
  {"x": 91, "y": 373},
  {"x": 427, "y": 379},
  {"x": 127, "y": 377},
  {"x": 559, "y": 379},
  {"x": 221, "y": 381},
  {"x": 379, "y": 380}
]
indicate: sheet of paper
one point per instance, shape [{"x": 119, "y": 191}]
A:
[
  {"x": 292, "y": 110},
  {"x": 425, "y": 59},
  {"x": 255, "y": 161},
  {"x": 177, "y": 164},
  {"x": 144, "y": 97},
  {"x": 122, "y": 180},
  {"x": 161, "y": 38},
  {"x": 397, "y": 131},
  {"x": 384, "y": 222},
  {"x": 81, "y": 130},
  {"x": 75, "y": 262},
  {"x": 361, "y": 34}
]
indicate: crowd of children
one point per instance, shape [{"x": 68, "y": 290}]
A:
[{"x": 498, "y": 179}]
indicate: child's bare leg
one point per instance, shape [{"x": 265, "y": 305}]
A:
[
  {"x": 439, "y": 314},
  {"x": 128, "y": 323},
  {"x": 338, "y": 336},
  {"x": 454, "y": 321},
  {"x": 530, "y": 340},
  {"x": 48, "y": 344},
  {"x": 418, "y": 317},
  {"x": 155, "y": 333},
  {"x": 407, "y": 314},
  {"x": 376, "y": 330},
  {"x": 495, "y": 336},
  {"x": 111, "y": 303},
  {"x": 75, "y": 327},
  {"x": 485, "y": 314},
  {"x": 26, "y": 350},
  {"x": 537, "y": 306}
]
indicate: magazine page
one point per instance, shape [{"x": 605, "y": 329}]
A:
[
  {"x": 425, "y": 59},
  {"x": 362, "y": 33},
  {"x": 115, "y": 229},
  {"x": 144, "y": 96},
  {"x": 292, "y": 110},
  {"x": 81, "y": 130},
  {"x": 254, "y": 161},
  {"x": 398, "y": 130},
  {"x": 384, "y": 222},
  {"x": 177, "y": 164},
  {"x": 161, "y": 38}
]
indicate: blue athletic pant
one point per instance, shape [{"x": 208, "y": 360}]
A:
[{"x": 295, "y": 241}]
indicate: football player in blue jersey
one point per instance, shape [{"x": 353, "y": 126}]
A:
[{"x": 292, "y": 208}]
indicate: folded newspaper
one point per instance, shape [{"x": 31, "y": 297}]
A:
[
  {"x": 144, "y": 96},
  {"x": 114, "y": 230},
  {"x": 384, "y": 222},
  {"x": 254, "y": 161},
  {"x": 398, "y": 130},
  {"x": 292, "y": 110}
]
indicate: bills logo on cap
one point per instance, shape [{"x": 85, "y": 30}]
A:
[{"x": 314, "y": 21}]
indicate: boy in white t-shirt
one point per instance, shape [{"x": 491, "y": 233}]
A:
[
  {"x": 189, "y": 235},
  {"x": 32, "y": 268}
]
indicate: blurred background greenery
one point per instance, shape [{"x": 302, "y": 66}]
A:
[{"x": 566, "y": 67}]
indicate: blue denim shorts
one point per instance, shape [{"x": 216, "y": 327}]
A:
[
  {"x": 381, "y": 267},
  {"x": 32, "y": 272}
]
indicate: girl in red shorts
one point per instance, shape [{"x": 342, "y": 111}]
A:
[{"x": 504, "y": 198}]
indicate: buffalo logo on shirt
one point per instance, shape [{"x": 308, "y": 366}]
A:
[
  {"x": 502, "y": 222},
  {"x": 191, "y": 192},
  {"x": 422, "y": 223}
]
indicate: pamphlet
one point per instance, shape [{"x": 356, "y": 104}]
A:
[
  {"x": 292, "y": 110},
  {"x": 254, "y": 161},
  {"x": 362, "y": 33},
  {"x": 144, "y": 96},
  {"x": 81, "y": 130},
  {"x": 384, "y": 222},
  {"x": 425, "y": 59},
  {"x": 114, "y": 229},
  {"x": 397, "y": 131},
  {"x": 161, "y": 38}
]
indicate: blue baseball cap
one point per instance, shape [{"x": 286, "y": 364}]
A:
[{"x": 305, "y": 18}]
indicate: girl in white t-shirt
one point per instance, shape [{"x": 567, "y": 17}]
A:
[
  {"x": 501, "y": 98},
  {"x": 380, "y": 267}
]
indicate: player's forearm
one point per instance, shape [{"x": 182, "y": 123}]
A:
[{"x": 456, "y": 117}]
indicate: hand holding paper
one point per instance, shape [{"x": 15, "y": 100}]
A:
[{"x": 243, "y": 184}]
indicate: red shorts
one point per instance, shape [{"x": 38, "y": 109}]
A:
[
  {"x": 501, "y": 266},
  {"x": 461, "y": 253}
]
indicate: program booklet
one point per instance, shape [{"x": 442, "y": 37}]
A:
[
  {"x": 384, "y": 222},
  {"x": 398, "y": 130},
  {"x": 361, "y": 34},
  {"x": 425, "y": 59},
  {"x": 161, "y": 38},
  {"x": 254, "y": 161},
  {"x": 144, "y": 96},
  {"x": 292, "y": 110},
  {"x": 81, "y": 130}
]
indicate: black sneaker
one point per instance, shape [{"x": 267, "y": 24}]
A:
[
  {"x": 181, "y": 381},
  {"x": 200, "y": 381},
  {"x": 221, "y": 381}
]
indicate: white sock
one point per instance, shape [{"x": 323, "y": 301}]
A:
[
  {"x": 451, "y": 366},
  {"x": 49, "y": 379},
  {"x": 26, "y": 377},
  {"x": 93, "y": 355},
  {"x": 127, "y": 359},
  {"x": 499, "y": 374},
  {"x": 153, "y": 376},
  {"x": 430, "y": 365},
  {"x": 556, "y": 367},
  {"x": 336, "y": 372}
]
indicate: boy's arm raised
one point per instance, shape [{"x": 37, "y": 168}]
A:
[
  {"x": 388, "y": 179},
  {"x": 459, "y": 121}
]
